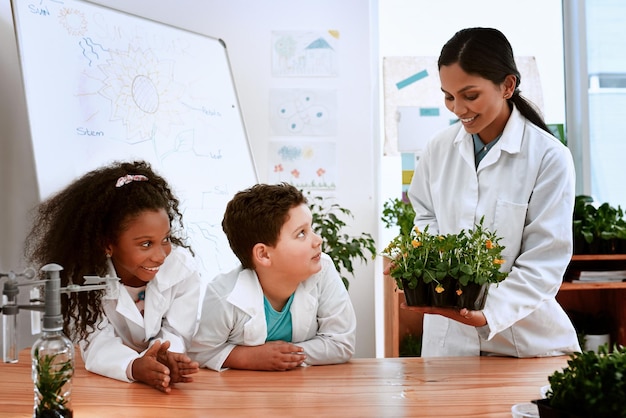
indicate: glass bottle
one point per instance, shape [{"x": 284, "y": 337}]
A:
[
  {"x": 9, "y": 332},
  {"x": 52, "y": 356},
  {"x": 9, "y": 320}
]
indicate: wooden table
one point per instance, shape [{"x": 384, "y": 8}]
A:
[{"x": 390, "y": 387}]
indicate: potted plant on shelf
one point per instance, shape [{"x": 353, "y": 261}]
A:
[
  {"x": 592, "y": 385},
  {"x": 453, "y": 270},
  {"x": 598, "y": 230},
  {"x": 400, "y": 213},
  {"x": 342, "y": 248}
]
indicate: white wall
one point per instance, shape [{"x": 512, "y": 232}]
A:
[
  {"x": 246, "y": 28},
  {"x": 533, "y": 27}
]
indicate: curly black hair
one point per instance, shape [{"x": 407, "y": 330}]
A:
[{"x": 73, "y": 227}]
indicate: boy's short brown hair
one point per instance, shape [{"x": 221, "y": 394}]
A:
[{"x": 256, "y": 215}]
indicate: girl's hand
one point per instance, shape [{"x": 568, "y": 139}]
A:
[
  {"x": 180, "y": 365},
  {"x": 147, "y": 369}
]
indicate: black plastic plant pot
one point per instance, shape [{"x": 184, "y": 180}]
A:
[
  {"x": 546, "y": 411},
  {"x": 473, "y": 296},
  {"x": 419, "y": 296},
  {"x": 445, "y": 298}
]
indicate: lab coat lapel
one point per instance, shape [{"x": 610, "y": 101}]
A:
[
  {"x": 465, "y": 143},
  {"x": 127, "y": 308},
  {"x": 247, "y": 294},
  {"x": 152, "y": 317},
  {"x": 304, "y": 305},
  {"x": 510, "y": 141},
  {"x": 125, "y": 304}
]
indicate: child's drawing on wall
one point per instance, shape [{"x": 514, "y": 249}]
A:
[
  {"x": 306, "y": 165},
  {"x": 303, "y": 112},
  {"x": 304, "y": 53}
]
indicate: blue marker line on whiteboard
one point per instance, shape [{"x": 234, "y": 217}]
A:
[{"x": 408, "y": 81}]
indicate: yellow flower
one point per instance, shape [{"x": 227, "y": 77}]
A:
[
  {"x": 415, "y": 243},
  {"x": 416, "y": 229},
  {"x": 459, "y": 292},
  {"x": 489, "y": 244},
  {"x": 498, "y": 261},
  {"x": 439, "y": 288}
]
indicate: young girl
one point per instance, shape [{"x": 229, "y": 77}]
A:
[
  {"x": 118, "y": 220},
  {"x": 499, "y": 162}
]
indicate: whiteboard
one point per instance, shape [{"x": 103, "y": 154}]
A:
[{"x": 104, "y": 85}]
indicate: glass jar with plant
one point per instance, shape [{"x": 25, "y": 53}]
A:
[
  {"x": 453, "y": 270},
  {"x": 343, "y": 249},
  {"x": 53, "y": 368},
  {"x": 52, "y": 355}
]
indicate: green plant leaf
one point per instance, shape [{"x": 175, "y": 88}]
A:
[
  {"x": 469, "y": 256},
  {"x": 52, "y": 376},
  {"x": 329, "y": 220},
  {"x": 593, "y": 384}
]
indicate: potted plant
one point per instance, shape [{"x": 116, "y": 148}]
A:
[
  {"x": 453, "y": 270},
  {"x": 410, "y": 345},
  {"x": 400, "y": 213},
  {"x": 342, "y": 248},
  {"x": 598, "y": 230},
  {"x": 592, "y": 385}
]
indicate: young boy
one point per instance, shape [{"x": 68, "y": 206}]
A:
[{"x": 286, "y": 305}]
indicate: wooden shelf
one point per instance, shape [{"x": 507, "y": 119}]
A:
[
  {"x": 567, "y": 286},
  {"x": 598, "y": 257},
  {"x": 596, "y": 298}
]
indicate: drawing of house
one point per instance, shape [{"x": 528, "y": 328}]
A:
[{"x": 319, "y": 57}]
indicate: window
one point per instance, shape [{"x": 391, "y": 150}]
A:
[{"x": 595, "y": 39}]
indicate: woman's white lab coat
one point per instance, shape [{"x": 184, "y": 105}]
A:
[
  {"x": 524, "y": 187},
  {"x": 172, "y": 301},
  {"x": 322, "y": 316}
]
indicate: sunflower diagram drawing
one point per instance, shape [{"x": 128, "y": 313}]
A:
[{"x": 140, "y": 87}]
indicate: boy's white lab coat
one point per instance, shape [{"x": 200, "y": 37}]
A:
[
  {"x": 171, "y": 310},
  {"x": 524, "y": 187},
  {"x": 322, "y": 316}
]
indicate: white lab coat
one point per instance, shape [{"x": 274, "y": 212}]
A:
[
  {"x": 322, "y": 316},
  {"x": 171, "y": 310},
  {"x": 524, "y": 187}
]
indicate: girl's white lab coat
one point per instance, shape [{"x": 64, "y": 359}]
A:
[
  {"x": 172, "y": 301},
  {"x": 322, "y": 316},
  {"x": 524, "y": 187}
]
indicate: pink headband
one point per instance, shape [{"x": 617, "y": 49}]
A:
[{"x": 129, "y": 178}]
